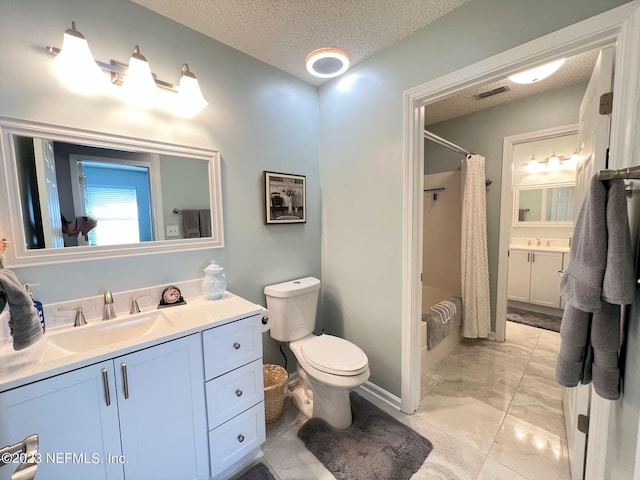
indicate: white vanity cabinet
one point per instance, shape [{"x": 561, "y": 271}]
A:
[
  {"x": 140, "y": 415},
  {"x": 70, "y": 416},
  {"x": 234, "y": 392},
  {"x": 533, "y": 277}
]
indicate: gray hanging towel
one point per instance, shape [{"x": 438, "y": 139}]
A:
[
  {"x": 581, "y": 284},
  {"x": 23, "y": 318},
  {"x": 205, "y": 222},
  {"x": 191, "y": 223},
  {"x": 602, "y": 281}
]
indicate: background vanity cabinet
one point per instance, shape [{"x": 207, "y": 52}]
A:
[
  {"x": 533, "y": 277},
  {"x": 151, "y": 400},
  {"x": 234, "y": 391}
]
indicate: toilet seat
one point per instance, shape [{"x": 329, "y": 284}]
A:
[{"x": 334, "y": 355}]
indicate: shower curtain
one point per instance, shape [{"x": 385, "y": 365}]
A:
[{"x": 476, "y": 322}]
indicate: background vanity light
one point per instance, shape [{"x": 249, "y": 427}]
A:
[{"x": 11, "y": 218}]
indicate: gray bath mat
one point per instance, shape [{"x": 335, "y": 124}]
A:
[
  {"x": 258, "y": 472},
  {"x": 375, "y": 447},
  {"x": 534, "y": 319}
]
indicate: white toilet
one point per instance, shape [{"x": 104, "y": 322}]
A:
[{"x": 328, "y": 366}]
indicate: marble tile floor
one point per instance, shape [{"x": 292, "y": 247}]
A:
[{"x": 491, "y": 409}]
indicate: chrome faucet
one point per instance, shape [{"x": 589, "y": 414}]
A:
[
  {"x": 108, "y": 312},
  {"x": 539, "y": 241}
]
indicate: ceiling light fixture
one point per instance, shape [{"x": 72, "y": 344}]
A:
[
  {"x": 538, "y": 73},
  {"x": 80, "y": 71},
  {"x": 327, "y": 62}
]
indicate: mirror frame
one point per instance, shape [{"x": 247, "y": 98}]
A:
[
  {"x": 18, "y": 255},
  {"x": 542, "y": 223}
]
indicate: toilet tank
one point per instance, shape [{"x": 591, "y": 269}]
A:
[{"x": 293, "y": 305}]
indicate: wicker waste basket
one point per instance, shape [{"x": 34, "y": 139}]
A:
[{"x": 275, "y": 388}]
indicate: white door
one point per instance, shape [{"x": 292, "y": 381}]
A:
[
  {"x": 594, "y": 142},
  {"x": 48, "y": 193}
]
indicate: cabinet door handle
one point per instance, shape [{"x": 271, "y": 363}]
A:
[
  {"x": 125, "y": 380},
  {"x": 105, "y": 384},
  {"x": 533, "y": 257},
  {"x": 236, "y": 345},
  {"x": 238, "y": 393},
  {"x": 528, "y": 257},
  {"x": 241, "y": 438}
]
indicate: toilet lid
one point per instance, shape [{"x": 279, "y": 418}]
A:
[{"x": 334, "y": 355}]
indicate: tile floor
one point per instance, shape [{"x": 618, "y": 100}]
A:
[{"x": 492, "y": 411}]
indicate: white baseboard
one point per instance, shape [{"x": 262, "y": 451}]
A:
[
  {"x": 368, "y": 387},
  {"x": 381, "y": 394}
]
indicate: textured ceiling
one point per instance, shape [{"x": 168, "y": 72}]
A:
[
  {"x": 575, "y": 69},
  {"x": 283, "y": 32}
]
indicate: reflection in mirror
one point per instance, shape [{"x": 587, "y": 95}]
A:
[
  {"x": 109, "y": 195},
  {"x": 550, "y": 205}
]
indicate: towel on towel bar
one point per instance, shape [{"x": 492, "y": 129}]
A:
[
  {"x": 23, "y": 318},
  {"x": 598, "y": 280},
  {"x": 205, "y": 222},
  {"x": 191, "y": 223}
]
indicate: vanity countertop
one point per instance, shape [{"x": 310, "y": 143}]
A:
[
  {"x": 46, "y": 358},
  {"x": 541, "y": 248}
]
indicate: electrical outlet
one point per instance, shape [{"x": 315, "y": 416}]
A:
[{"x": 172, "y": 231}]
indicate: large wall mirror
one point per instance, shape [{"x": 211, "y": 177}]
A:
[
  {"x": 77, "y": 195},
  {"x": 550, "y": 204}
]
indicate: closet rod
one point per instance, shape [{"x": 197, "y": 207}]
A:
[{"x": 445, "y": 143}]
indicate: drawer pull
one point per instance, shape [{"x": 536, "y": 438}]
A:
[
  {"x": 236, "y": 345},
  {"x": 241, "y": 438},
  {"x": 238, "y": 393}
]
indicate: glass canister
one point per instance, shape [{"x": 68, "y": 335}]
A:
[{"x": 214, "y": 283}]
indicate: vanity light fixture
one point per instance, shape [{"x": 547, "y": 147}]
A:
[
  {"x": 75, "y": 65},
  {"x": 81, "y": 72},
  {"x": 138, "y": 86},
  {"x": 327, "y": 62},
  {"x": 553, "y": 161},
  {"x": 533, "y": 164},
  {"x": 538, "y": 73}
]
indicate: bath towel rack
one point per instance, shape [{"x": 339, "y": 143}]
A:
[{"x": 624, "y": 173}]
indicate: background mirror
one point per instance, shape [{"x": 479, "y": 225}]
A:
[
  {"x": 70, "y": 192},
  {"x": 548, "y": 204}
]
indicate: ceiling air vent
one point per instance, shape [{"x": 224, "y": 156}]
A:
[{"x": 495, "y": 91}]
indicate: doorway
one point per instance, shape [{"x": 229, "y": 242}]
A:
[{"x": 616, "y": 26}]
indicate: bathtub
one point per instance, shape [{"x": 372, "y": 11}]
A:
[{"x": 428, "y": 358}]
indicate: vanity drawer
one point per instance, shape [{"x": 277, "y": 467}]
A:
[
  {"x": 231, "y": 346},
  {"x": 233, "y": 393},
  {"x": 236, "y": 438}
]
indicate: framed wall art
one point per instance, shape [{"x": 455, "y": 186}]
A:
[{"x": 285, "y": 198}]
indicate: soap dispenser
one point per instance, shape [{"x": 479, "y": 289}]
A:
[{"x": 214, "y": 283}]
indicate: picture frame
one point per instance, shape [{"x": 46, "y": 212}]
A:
[{"x": 285, "y": 198}]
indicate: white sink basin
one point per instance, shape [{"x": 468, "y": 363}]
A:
[{"x": 103, "y": 333}]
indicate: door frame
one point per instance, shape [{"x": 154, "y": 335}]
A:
[
  {"x": 506, "y": 214},
  {"x": 620, "y": 25}
]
